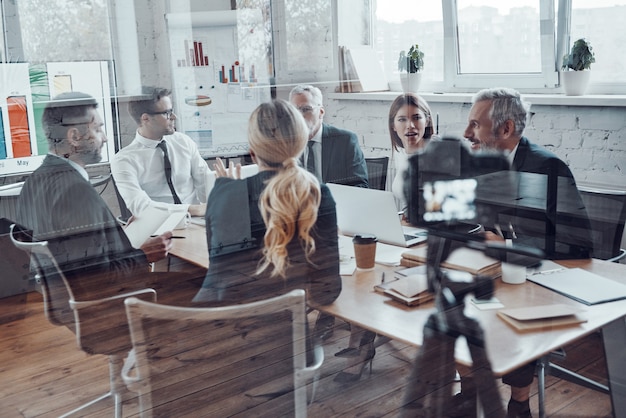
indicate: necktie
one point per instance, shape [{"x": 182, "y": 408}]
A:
[
  {"x": 310, "y": 162},
  {"x": 168, "y": 171}
]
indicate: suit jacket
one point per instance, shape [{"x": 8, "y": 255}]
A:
[
  {"x": 235, "y": 231},
  {"x": 570, "y": 241},
  {"x": 89, "y": 245},
  {"x": 342, "y": 158}
]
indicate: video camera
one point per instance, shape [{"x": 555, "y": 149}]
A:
[
  {"x": 447, "y": 191},
  {"x": 441, "y": 186}
]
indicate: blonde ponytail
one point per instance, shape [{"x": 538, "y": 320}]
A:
[{"x": 290, "y": 201}]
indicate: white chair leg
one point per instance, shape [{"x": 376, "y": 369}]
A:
[{"x": 116, "y": 384}]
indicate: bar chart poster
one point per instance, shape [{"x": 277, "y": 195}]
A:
[
  {"x": 218, "y": 77},
  {"x": 90, "y": 77},
  {"x": 18, "y": 142}
]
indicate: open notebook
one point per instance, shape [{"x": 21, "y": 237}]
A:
[{"x": 370, "y": 211}]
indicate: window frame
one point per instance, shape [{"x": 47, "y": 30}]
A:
[
  {"x": 555, "y": 41},
  {"x": 455, "y": 81}
]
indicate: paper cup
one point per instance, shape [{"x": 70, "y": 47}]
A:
[
  {"x": 365, "y": 251},
  {"x": 512, "y": 273}
]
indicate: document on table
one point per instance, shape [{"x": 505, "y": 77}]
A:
[
  {"x": 152, "y": 221},
  {"x": 581, "y": 285}
]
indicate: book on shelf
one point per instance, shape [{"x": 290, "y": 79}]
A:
[
  {"x": 463, "y": 259},
  {"x": 360, "y": 70},
  {"x": 534, "y": 318}
]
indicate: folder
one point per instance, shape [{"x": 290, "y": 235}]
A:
[
  {"x": 463, "y": 259},
  {"x": 533, "y": 318}
]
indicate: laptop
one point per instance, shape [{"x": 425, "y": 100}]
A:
[{"x": 371, "y": 211}]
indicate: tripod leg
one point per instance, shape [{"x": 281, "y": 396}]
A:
[{"x": 429, "y": 388}]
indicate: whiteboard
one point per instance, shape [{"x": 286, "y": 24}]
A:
[{"x": 218, "y": 77}]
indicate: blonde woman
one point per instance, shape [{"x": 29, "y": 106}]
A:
[{"x": 275, "y": 231}]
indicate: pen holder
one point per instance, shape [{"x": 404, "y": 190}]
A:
[
  {"x": 512, "y": 273},
  {"x": 365, "y": 251}
]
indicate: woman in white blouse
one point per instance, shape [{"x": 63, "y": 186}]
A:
[{"x": 410, "y": 129}]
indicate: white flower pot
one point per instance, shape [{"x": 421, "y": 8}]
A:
[
  {"x": 410, "y": 82},
  {"x": 575, "y": 82}
]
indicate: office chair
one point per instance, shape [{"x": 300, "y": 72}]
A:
[
  {"x": 247, "y": 359},
  {"x": 607, "y": 212},
  {"x": 100, "y": 325},
  {"x": 377, "y": 172},
  {"x": 125, "y": 213}
]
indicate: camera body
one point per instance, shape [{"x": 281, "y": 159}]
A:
[{"x": 441, "y": 185}]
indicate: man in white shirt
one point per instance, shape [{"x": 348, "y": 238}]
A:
[{"x": 140, "y": 170}]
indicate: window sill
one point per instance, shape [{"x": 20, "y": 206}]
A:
[{"x": 597, "y": 100}]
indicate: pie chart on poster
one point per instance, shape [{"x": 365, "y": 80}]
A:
[{"x": 198, "y": 100}]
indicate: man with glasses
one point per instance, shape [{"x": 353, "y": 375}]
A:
[
  {"x": 59, "y": 205},
  {"x": 160, "y": 168},
  {"x": 333, "y": 154}
]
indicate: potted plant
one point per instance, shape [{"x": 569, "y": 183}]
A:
[
  {"x": 410, "y": 66},
  {"x": 575, "y": 70}
]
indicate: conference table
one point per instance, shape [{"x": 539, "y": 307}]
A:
[{"x": 507, "y": 348}]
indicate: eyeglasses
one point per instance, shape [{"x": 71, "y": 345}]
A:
[
  {"x": 307, "y": 109},
  {"x": 167, "y": 113}
]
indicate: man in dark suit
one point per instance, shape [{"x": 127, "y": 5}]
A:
[
  {"x": 59, "y": 204},
  {"x": 333, "y": 154},
  {"x": 496, "y": 122}
]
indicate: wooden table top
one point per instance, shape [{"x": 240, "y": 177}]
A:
[{"x": 507, "y": 348}]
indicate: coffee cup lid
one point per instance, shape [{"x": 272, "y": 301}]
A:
[{"x": 364, "y": 239}]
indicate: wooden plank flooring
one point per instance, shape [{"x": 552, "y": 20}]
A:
[{"x": 44, "y": 374}]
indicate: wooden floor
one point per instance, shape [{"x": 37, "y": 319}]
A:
[{"x": 43, "y": 374}]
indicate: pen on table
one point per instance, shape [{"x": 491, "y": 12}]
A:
[
  {"x": 382, "y": 280},
  {"x": 437, "y": 124},
  {"x": 172, "y": 237}
]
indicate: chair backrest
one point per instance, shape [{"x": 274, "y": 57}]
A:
[
  {"x": 377, "y": 172},
  {"x": 100, "y": 324},
  {"x": 219, "y": 361},
  {"x": 125, "y": 213},
  {"x": 607, "y": 212}
]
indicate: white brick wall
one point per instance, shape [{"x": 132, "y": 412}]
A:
[{"x": 591, "y": 140}]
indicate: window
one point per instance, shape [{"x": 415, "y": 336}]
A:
[
  {"x": 472, "y": 44},
  {"x": 601, "y": 23},
  {"x": 307, "y": 29},
  {"x": 402, "y": 23}
]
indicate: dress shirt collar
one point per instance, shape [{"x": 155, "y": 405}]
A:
[
  {"x": 147, "y": 142},
  {"x": 511, "y": 155},
  {"x": 318, "y": 136}
]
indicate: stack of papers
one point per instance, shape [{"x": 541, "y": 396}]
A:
[
  {"x": 412, "y": 289},
  {"x": 463, "y": 259}
]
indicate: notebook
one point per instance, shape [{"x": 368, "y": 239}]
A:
[
  {"x": 370, "y": 211},
  {"x": 581, "y": 285}
]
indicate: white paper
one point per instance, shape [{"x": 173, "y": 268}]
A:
[{"x": 152, "y": 221}]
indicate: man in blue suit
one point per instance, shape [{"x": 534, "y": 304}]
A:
[{"x": 333, "y": 154}]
